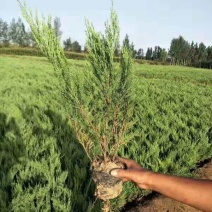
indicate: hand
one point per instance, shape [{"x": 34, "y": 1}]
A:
[
  {"x": 133, "y": 172},
  {"x": 193, "y": 192}
]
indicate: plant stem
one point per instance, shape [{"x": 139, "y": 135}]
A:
[{"x": 106, "y": 207}]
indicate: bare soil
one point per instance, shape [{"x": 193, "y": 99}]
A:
[{"x": 160, "y": 203}]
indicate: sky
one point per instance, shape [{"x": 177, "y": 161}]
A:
[{"x": 147, "y": 22}]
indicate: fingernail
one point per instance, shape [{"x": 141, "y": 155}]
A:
[{"x": 113, "y": 173}]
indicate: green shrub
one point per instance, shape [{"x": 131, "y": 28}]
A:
[
  {"x": 139, "y": 61},
  {"x": 21, "y": 51},
  {"x": 76, "y": 56},
  {"x": 36, "y": 52},
  {"x": 153, "y": 62}
]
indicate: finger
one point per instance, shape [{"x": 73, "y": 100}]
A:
[
  {"x": 129, "y": 163},
  {"x": 126, "y": 161},
  {"x": 121, "y": 173}
]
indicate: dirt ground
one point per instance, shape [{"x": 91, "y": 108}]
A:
[{"x": 159, "y": 203}]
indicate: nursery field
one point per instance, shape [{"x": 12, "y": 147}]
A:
[{"x": 44, "y": 168}]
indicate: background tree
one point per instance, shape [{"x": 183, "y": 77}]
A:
[
  {"x": 140, "y": 54},
  {"x": 13, "y": 31},
  {"x": 67, "y": 44},
  {"x": 57, "y": 27},
  {"x": 73, "y": 47},
  {"x": 76, "y": 47},
  {"x": 149, "y": 54},
  {"x": 164, "y": 55},
  {"x": 32, "y": 39},
  {"x": 4, "y": 39},
  {"x": 209, "y": 53},
  {"x": 196, "y": 55},
  {"x": 130, "y": 45},
  {"x": 18, "y": 34},
  {"x": 85, "y": 50},
  {"x": 202, "y": 53},
  {"x": 155, "y": 53},
  {"x": 117, "y": 51},
  {"x": 209, "y": 57},
  {"x": 179, "y": 50},
  {"x": 192, "y": 54}
]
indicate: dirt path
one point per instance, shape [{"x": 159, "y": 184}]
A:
[{"x": 160, "y": 203}]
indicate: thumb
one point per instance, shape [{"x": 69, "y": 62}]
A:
[{"x": 121, "y": 173}]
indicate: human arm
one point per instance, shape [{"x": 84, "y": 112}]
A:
[{"x": 193, "y": 192}]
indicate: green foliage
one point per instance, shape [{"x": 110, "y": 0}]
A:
[
  {"x": 39, "y": 178},
  {"x": 11, "y": 150},
  {"x": 176, "y": 74}
]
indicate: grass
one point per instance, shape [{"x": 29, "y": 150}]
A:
[{"x": 173, "y": 108}]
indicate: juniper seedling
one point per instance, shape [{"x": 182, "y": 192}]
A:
[{"x": 99, "y": 104}]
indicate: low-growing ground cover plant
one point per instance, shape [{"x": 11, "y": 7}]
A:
[{"x": 173, "y": 131}]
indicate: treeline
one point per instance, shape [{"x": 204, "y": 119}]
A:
[
  {"x": 181, "y": 52},
  {"x": 15, "y": 34},
  {"x": 192, "y": 54}
]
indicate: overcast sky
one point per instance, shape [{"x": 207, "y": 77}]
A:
[{"x": 147, "y": 22}]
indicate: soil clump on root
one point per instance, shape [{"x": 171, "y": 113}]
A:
[{"x": 107, "y": 186}]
